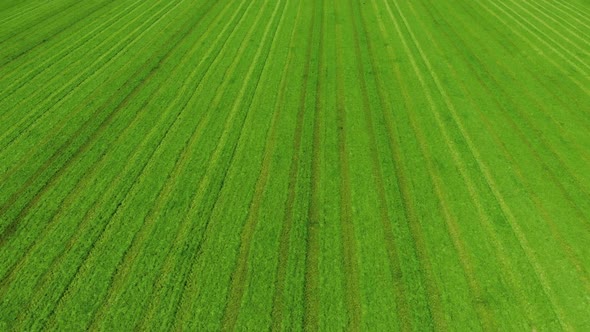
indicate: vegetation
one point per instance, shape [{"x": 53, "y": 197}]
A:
[{"x": 294, "y": 164}]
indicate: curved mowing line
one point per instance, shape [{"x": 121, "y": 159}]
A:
[
  {"x": 557, "y": 234},
  {"x": 225, "y": 132},
  {"x": 240, "y": 274},
  {"x": 582, "y": 86},
  {"x": 491, "y": 183},
  {"x": 558, "y": 156},
  {"x": 64, "y": 296},
  {"x": 581, "y": 35},
  {"x": 398, "y": 289},
  {"x": 506, "y": 39},
  {"x": 483, "y": 311},
  {"x": 575, "y": 45},
  {"x": 13, "y": 57},
  {"x": 63, "y": 98},
  {"x": 103, "y": 237},
  {"x": 30, "y": 180},
  {"x": 580, "y": 150},
  {"x": 90, "y": 214},
  {"x": 565, "y": 49},
  {"x": 52, "y": 133},
  {"x": 21, "y": 11},
  {"x": 518, "y": 19},
  {"x": 181, "y": 231},
  {"x": 80, "y": 152},
  {"x": 539, "y": 105},
  {"x": 23, "y": 30},
  {"x": 284, "y": 247},
  {"x": 18, "y": 78},
  {"x": 121, "y": 106},
  {"x": 573, "y": 13},
  {"x": 311, "y": 283},
  {"x": 67, "y": 294},
  {"x": 10, "y": 228},
  {"x": 67, "y": 89},
  {"x": 433, "y": 294},
  {"x": 103, "y": 160},
  {"x": 507, "y": 265},
  {"x": 55, "y": 132},
  {"x": 121, "y": 276},
  {"x": 352, "y": 287}
]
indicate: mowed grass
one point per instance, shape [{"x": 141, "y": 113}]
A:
[{"x": 328, "y": 165}]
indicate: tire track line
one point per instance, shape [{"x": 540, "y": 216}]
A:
[
  {"x": 352, "y": 287},
  {"x": 182, "y": 233},
  {"x": 572, "y": 29},
  {"x": 114, "y": 215},
  {"x": 25, "y": 160},
  {"x": 466, "y": 262},
  {"x": 541, "y": 33},
  {"x": 23, "y": 30},
  {"x": 311, "y": 283},
  {"x": 398, "y": 289},
  {"x": 72, "y": 196},
  {"x": 123, "y": 43},
  {"x": 284, "y": 246},
  {"x": 11, "y": 227},
  {"x": 539, "y": 105},
  {"x": 582, "y": 86},
  {"x": 124, "y": 267},
  {"x": 205, "y": 183},
  {"x": 83, "y": 128},
  {"x": 571, "y": 12},
  {"x": 87, "y": 218},
  {"x": 485, "y": 171},
  {"x": 519, "y": 172},
  {"x": 240, "y": 273},
  {"x": 18, "y": 79},
  {"x": 433, "y": 294},
  {"x": 485, "y": 221},
  {"x": 9, "y": 203},
  {"x": 12, "y": 57},
  {"x": 21, "y": 11},
  {"x": 90, "y": 215}
]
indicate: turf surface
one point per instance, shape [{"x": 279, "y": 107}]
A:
[{"x": 372, "y": 165}]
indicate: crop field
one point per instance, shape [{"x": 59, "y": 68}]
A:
[{"x": 362, "y": 165}]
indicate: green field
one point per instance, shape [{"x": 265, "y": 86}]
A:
[{"x": 374, "y": 165}]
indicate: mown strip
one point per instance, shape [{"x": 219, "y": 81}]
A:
[{"x": 311, "y": 285}]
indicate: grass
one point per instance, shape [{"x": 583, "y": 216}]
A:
[{"x": 294, "y": 165}]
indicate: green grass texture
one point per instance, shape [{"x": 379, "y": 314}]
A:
[{"x": 289, "y": 165}]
